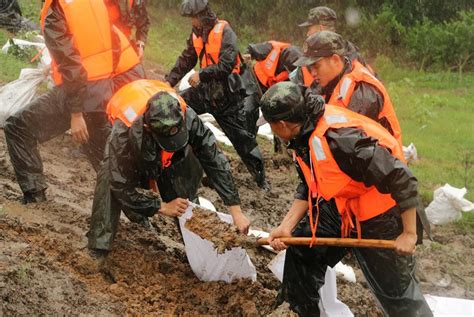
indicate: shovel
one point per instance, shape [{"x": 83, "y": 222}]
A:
[{"x": 335, "y": 242}]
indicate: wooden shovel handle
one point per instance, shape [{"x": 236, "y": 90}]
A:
[{"x": 336, "y": 242}]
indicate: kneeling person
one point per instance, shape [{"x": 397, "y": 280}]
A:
[{"x": 152, "y": 146}]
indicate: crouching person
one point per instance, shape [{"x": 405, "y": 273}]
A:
[
  {"x": 354, "y": 184},
  {"x": 154, "y": 144}
]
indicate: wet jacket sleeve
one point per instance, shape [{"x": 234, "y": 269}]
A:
[
  {"x": 212, "y": 160},
  {"x": 59, "y": 41},
  {"x": 142, "y": 20},
  {"x": 227, "y": 58},
  {"x": 186, "y": 61},
  {"x": 364, "y": 160},
  {"x": 367, "y": 101},
  {"x": 287, "y": 59},
  {"x": 124, "y": 179}
]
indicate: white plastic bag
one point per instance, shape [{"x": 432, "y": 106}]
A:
[
  {"x": 207, "y": 264},
  {"x": 15, "y": 95},
  {"x": 410, "y": 153},
  {"x": 448, "y": 205},
  {"x": 329, "y": 305}
]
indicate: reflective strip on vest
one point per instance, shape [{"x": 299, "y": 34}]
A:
[
  {"x": 346, "y": 84},
  {"x": 318, "y": 149},
  {"x": 336, "y": 118}
]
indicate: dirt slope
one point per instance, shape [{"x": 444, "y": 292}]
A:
[{"x": 45, "y": 269}]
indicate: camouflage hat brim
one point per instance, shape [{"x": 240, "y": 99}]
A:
[
  {"x": 306, "y": 24},
  {"x": 306, "y": 61},
  {"x": 173, "y": 143}
]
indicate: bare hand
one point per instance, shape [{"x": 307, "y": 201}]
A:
[
  {"x": 79, "y": 128},
  {"x": 174, "y": 208},
  {"x": 279, "y": 232},
  {"x": 241, "y": 222},
  {"x": 194, "y": 80},
  {"x": 405, "y": 244}
]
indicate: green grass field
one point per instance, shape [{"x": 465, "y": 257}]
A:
[{"x": 435, "y": 110}]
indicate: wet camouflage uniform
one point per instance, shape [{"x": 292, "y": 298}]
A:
[
  {"x": 390, "y": 276},
  {"x": 133, "y": 158},
  {"x": 220, "y": 91},
  {"x": 49, "y": 115},
  {"x": 136, "y": 17}
]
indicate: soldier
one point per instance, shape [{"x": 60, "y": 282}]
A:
[
  {"x": 323, "y": 19},
  {"x": 91, "y": 59},
  {"x": 356, "y": 186},
  {"x": 217, "y": 87},
  {"x": 154, "y": 144}
]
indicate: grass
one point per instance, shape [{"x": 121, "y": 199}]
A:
[
  {"x": 435, "y": 110},
  {"x": 10, "y": 66}
]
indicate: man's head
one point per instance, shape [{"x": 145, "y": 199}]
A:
[
  {"x": 283, "y": 107},
  {"x": 320, "y": 19},
  {"x": 164, "y": 120},
  {"x": 192, "y": 9},
  {"x": 323, "y": 53}
]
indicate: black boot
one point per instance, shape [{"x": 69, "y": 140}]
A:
[{"x": 34, "y": 197}]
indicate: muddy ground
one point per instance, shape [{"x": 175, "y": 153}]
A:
[{"x": 45, "y": 269}]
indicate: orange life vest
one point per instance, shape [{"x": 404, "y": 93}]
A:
[
  {"x": 212, "y": 48},
  {"x": 265, "y": 70},
  {"x": 342, "y": 94},
  {"x": 325, "y": 179},
  {"x": 88, "y": 21},
  {"x": 115, "y": 16},
  {"x": 307, "y": 77},
  {"x": 130, "y": 102}
]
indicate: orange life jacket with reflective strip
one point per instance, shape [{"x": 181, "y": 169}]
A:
[
  {"x": 213, "y": 46},
  {"x": 115, "y": 16},
  {"x": 265, "y": 70},
  {"x": 130, "y": 102},
  {"x": 88, "y": 21},
  {"x": 325, "y": 179},
  {"x": 307, "y": 77},
  {"x": 342, "y": 94}
]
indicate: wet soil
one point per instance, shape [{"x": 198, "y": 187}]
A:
[
  {"x": 45, "y": 268},
  {"x": 225, "y": 236}
]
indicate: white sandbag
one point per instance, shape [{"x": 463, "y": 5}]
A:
[
  {"x": 207, "y": 264},
  {"x": 448, "y": 205},
  {"x": 329, "y": 305},
  {"x": 184, "y": 84},
  {"x": 450, "y": 307},
  {"x": 15, "y": 95},
  {"x": 410, "y": 153}
]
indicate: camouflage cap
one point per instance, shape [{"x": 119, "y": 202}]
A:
[
  {"x": 320, "y": 15},
  {"x": 165, "y": 120},
  {"x": 320, "y": 45},
  {"x": 282, "y": 101},
  {"x": 190, "y": 8}
]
